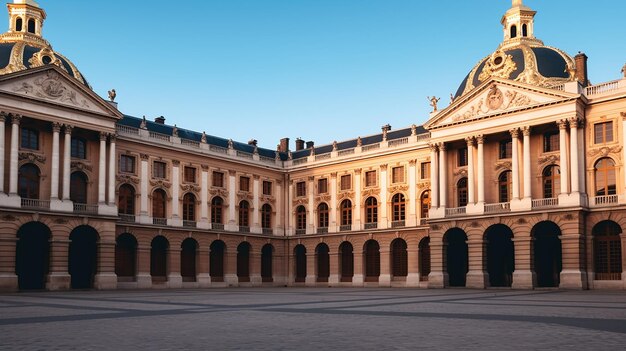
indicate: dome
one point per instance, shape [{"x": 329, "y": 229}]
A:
[
  {"x": 22, "y": 47},
  {"x": 521, "y": 57}
]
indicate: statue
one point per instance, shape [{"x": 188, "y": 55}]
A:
[
  {"x": 335, "y": 145},
  {"x": 359, "y": 142},
  {"x": 203, "y": 138},
  {"x": 624, "y": 70},
  {"x": 144, "y": 124},
  {"x": 413, "y": 129},
  {"x": 175, "y": 131},
  {"x": 231, "y": 145},
  {"x": 112, "y": 95},
  {"x": 433, "y": 102},
  {"x": 451, "y": 98}
]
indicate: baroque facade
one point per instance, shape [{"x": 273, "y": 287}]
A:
[{"x": 519, "y": 182}]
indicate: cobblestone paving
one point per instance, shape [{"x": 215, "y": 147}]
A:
[{"x": 311, "y": 319}]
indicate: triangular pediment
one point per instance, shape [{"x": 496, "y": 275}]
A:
[
  {"x": 496, "y": 97},
  {"x": 51, "y": 85}
]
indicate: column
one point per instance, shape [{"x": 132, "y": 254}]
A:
[
  {"x": 523, "y": 276},
  {"x": 470, "y": 170},
  {"x": 382, "y": 204},
  {"x": 526, "y": 160},
  {"x": 230, "y": 270},
  {"x": 563, "y": 165},
  {"x": 480, "y": 141},
  {"x": 2, "y": 135},
  {"x": 332, "y": 218},
  {"x": 573, "y": 125},
  {"x": 442, "y": 175},
  {"x": 515, "y": 163},
  {"x": 59, "y": 277},
  {"x": 54, "y": 174},
  {"x": 144, "y": 279},
  {"x": 174, "y": 279},
  {"x": 202, "y": 275},
  {"x": 106, "y": 278},
  {"x": 112, "y": 170},
  {"x": 256, "y": 209},
  {"x": 413, "y": 277},
  {"x": 290, "y": 224},
  {"x": 412, "y": 213},
  {"x": 438, "y": 277},
  {"x": 143, "y": 188},
  {"x": 255, "y": 267},
  {"x": 356, "y": 215},
  {"x": 8, "y": 278},
  {"x": 385, "y": 267},
  {"x": 102, "y": 169},
  {"x": 232, "y": 203},
  {"x": 573, "y": 276},
  {"x": 311, "y": 207},
  {"x": 66, "y": 162},
  {"x": 13, "y": 163},
  {"x": 477, "y": 277},
  {"x": 175, "y": 220},
  {"x": 279, "y": 210},
  {"x": 204, "y": 198},
  {"x": 333, "y": 279},
  {"x": 434, "y": 177},
  {"x": 311, "y": 276},
  {"x": 358, "y": 278}
]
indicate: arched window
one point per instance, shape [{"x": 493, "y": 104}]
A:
[
  {"x": 551, "y": 182},
  {"x": 461, "y": 188},
  {"x": 513, "y": 31},
  {"x": 607, "y": 251},
  {"x": 79, "y": 148},
  {"x": 78, "y": 187},
  {"x": 425, "y": 204},
  {"x": 189, "y": 207},
  {"x": 524, "y": 30},
  {"x": 126, "y": 200},
  {"x": 346, "y": 212},
  {"x": 244, "y": 214},
  {"x": 18, "y": 24},
  {"x": 28, "y": 180},
  {"x": 371, "y": 210},
  {"x": 301, "y": 218},
  {"x": 605, "y": 177},
  {"x": 217, "y": 205},
  {"x": 504, "y": 186},
  {"x": 322, "y": 215},
  {"x": 266, "y": 216},
  {"x": 159, "y": 199},
  {"x": 398, "y": 206},
  {"x": 31, "y": 26}
]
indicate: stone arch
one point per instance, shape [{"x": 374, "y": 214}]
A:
[
  {"x": 547, "y": 255},
  {"x": 607, "y": 250},
  {"x": 322, "y": 257},
  {"x": 217, "y": 254},
  {"x": 188, "y": 259},
  {"x": 159, "y": 248},
  {"x": 456, "y": 256},
  {"x": 299, "y": 253},
  {"x": 399, "y": 258},
  {"x": 371, "y": 257},
  {"x": 243, "y": 261},
  {"x": 424, "y": 255},
  {"x": 126, "y": 257},
  {"x": 82, "y": 257},
  {"x": 499, "y": 255},
  {"x": 346, "y": 261},
  {"x": 32, "y": 256},
  {"x": 267, "y": 255}
]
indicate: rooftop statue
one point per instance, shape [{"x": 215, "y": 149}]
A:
[
  {"x": 433, "y": 102},
  {"x": 112, "y": 95}
]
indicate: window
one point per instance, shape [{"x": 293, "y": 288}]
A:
[
  {"x": 425, "y": 204},
  {"x": 244, "y": 184},
  {"x": 322, "y": 215},
  {"x": 301, "y": 218},
  {"x": 605, "y": 177},
  {"x": 79, "y": 148},
  {"x": 218, "y": 179},
  {"x": 244, "y": 213},
  {"x": 371, "y": 210},
  {"x": 30, "y": 139},
  {"x": 159, "y": 199},
  {"x": 127, "y": 164},
  {"x": 28, "y": 181},
  {"x": 18, "y": 25},
  {"x": 602, "y": 132},
  {"x": 189, "y": 174},
  {"x": 397, "y": 174},
  {"x": 266, "y": 216},
  {"x": 462, "y": 192},
  {"x": 504, "y": 186},
  {"x": 346, "y": 212},
  {"x": 158, "y": 169},
  {"x": 126, "y": 200},
  {"x": 398, "y": 207},
  {"x": 425, "y": 170},
  {"x": 370, "y": 178},
  {"x": 551, "y": 142},
  {"x": 31, "y": 26},
  {"x": 267, "y": 187},
  {"x": 189, "y": 207},
  {"x": 346, "y": 182},
  {"x": 462, "y": 157},
  {"x": 551, "y": 182},
  {"x": 78, "y": 187},
  {"x": 300, "y": 189},
  {"x": 216, "y": 210},
  {"x": 322, "y": 186},
  {"x": 607, "y": 251},
  {"x": 506, "y": 149}
]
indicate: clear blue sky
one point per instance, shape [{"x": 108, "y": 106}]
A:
[{"x": 322, "y": 70}]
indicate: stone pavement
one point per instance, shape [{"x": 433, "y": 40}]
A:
[{"x": 313, "y": 318}]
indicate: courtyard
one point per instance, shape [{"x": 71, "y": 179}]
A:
[{"x": 312, "y": 318}]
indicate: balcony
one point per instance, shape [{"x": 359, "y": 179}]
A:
[
  {"x": 423, "y": 221},
  {"x": 189, "y": 224},
  {"x": 545, "y": 203},
  {"x": 345, "y": 228},
  {"x": 455, "y": 211},
  {"x": 604, "y": 200},
  {"x": 127, "y": 218},
  {"x": 268, "y": 231},
  {"x": 300, "y": 231},
  {"x": 85, "y": 209},
  {"x": 373, "y": 225},
  {"x": 244, "y": 229},
  {"x": 397, "y": 224},
  {"x": 217, "y": 226},
  {"x": 159, "y": 221},
  {"x": 35, "y": 204},
  {"x": 500, "y": 207},
  {"x": 323, "y": 230}
]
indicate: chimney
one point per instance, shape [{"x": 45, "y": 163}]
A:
[
  {"x": 159, "y": 120},
  {"x": 581, "y": 68},
  {"x": 310, "y": 144},
  {"x": 299, "y": 144},
  {"x": 284, "y": 145},
  {"x": 252, "y": 142}
]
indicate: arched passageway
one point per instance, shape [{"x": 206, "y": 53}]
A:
[
  {"x": 346, "y": 263},
  {"x": 424, "y": 258},
  {"x": 188, "y": 254},
  {"x": 216, "y": 261},
  {"x": 243, "y": 262},
  {"x": 267, "y": 253},
  {"x": 82, "y": 256},
  {"x": 372, "y": 261},
  {"x": 126, "y": 257},
  {"x": 547, "y": 253},
  {"x": 500, "y": 255},
  {"x": 300, "y": 261},
  {"x": 323, "y": 262},
  {"x": 456, "y": 256},
  {"x": 158, "y": 259},
  {"x": 32, "y": 255},
  {"x": 399, "y": 258}
]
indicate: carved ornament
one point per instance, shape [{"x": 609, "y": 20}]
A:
[
  {"x": 460, "y": 172},
  {"x": 221, "y": 192},
  {"x": 244, "y": 195},
  {"x": 370, "y": 192},
  {"x": 51, "y": 87},
  {"x": 322, "y": 198},
  {"x": 604, "y": 151},
  {"x": 548, "y": 159},
  {"x": 498, "y": 65},
  {"x": 124, "y": 178},
  {"x": 160, "y": 183},
  {"x": 267, "y": 198},
  {"x": 345, "y": 195},
  {"x": 397, "y": 188},
  {"x": 502, "y": 165},
  {"x": 190, "y": 187},
  {"x": 300, "y": 201},
  {"x": 31, "y": 157},
  {"x": 81, "y": 166},
  {"x": 495, "y": 101}
]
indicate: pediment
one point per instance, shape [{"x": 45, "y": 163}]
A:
[
  {"x": 52, "y": 86},
  {"x": 496, "y": 97}
]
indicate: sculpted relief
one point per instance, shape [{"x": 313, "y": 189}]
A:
[
  {"x": 494, "y": 101},
  {"x": 50, "y": 86}
]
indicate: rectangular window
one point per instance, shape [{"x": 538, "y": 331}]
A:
[
  {"x": 190, "y": 175},
  {"x": 127, "y": 164},
  {"x": 602, "y": 132},
  {"x": 300, "y": 189},
  {"x": 267, "y": 187},
  {"x": 30, "y": 139},
  {"x": 244, "y": 184},
  {"x": 425, "y": 170},
  {"x": 158, "y": 169},
  {"x": 462, "y": 157},
  {"x": 218, "y": 179},
  {"x": 322, "y": 186},
  {"x": 79, "y": 148},
  {"x": 370, "y": 178},
  {"x": 346, "y": 182},
  {"x": 397, "y": 174},
  {"x": 506, "y": 149},
  {"x": 551, "y": 142}
]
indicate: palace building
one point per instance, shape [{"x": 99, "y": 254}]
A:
[{"x": 519, "y": 182}]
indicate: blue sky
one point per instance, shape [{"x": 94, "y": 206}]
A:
[{"x": 321, "y": 70}]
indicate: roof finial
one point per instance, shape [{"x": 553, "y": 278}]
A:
[{"x": 517, "y": 3}]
